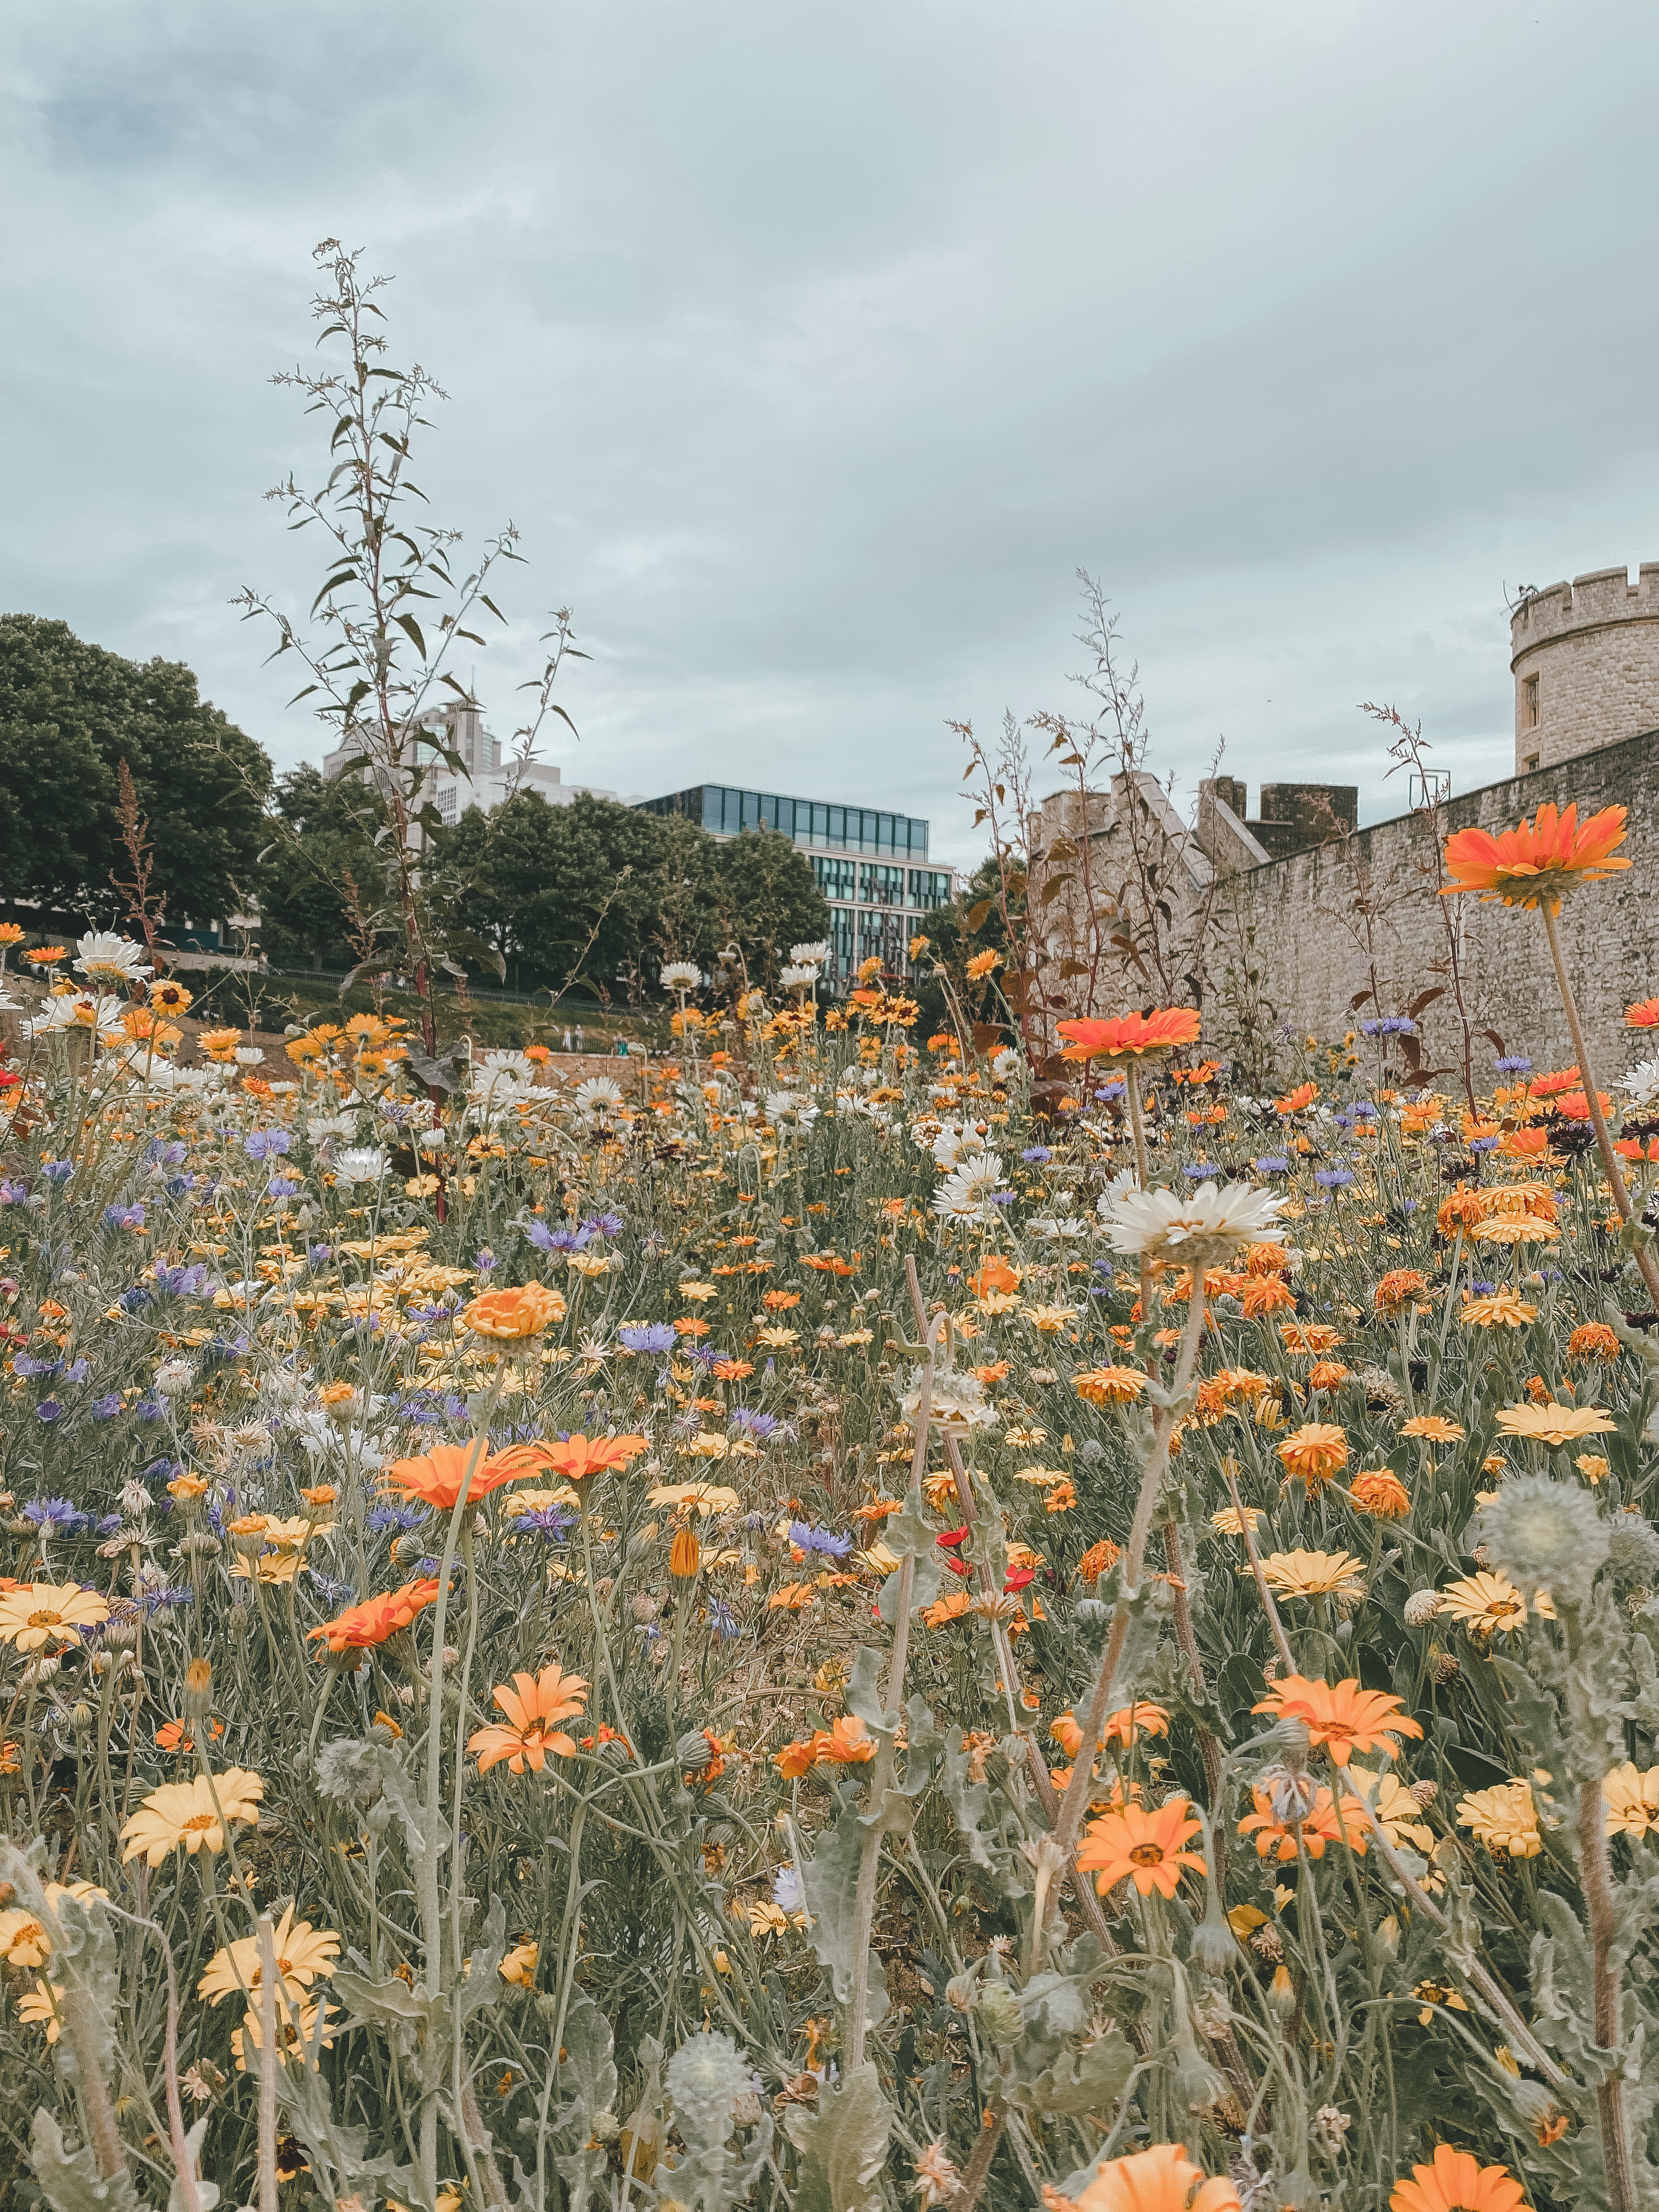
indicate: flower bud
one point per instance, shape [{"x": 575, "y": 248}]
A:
[
  {"x": 1281, "y": 1991},
  {"x": 1000, "y": 2012},
  {"x": 81, "y": 1717},
  {"x": 962, "y": 1990},
  {"x": 198, "y": 1688}
]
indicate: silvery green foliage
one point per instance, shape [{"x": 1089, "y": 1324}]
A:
[
  {"x": 69, "y": 2180},
  {"x": 1546, "y": 1535},
  {"x": 587, "y": 2079},
  {"x": 842, "y": 2146},
  {"x": 707, "y": 2078}
]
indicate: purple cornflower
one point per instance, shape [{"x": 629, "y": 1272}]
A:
[
  {"x": 647, "y": 1336},
  {"x": 808, "y": 1539},
  {"x": 266, "y": 1143}
]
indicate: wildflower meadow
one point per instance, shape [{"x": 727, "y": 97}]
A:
[{"x": 791, "y": 1630}]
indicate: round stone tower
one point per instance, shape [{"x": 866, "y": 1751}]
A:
[{"x": 1585, "y": 658}]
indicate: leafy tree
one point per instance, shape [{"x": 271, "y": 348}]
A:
[
  {"x": 610, "y": 892},
  {"x": 766, "y": 899},
  {"x": 323, "y": 855},
  {"x": 71, "y": 712}
]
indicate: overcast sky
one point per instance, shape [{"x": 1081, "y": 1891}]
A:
[{"x": 812, "y": 350}]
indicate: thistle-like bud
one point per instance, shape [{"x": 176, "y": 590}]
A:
[
  {"x": 198, "y": 1688},
  {"x": 1388, "y": 1934},
  {"x": 962, "y": 1990},
  {"x": 1425, "y": 1792},
  {"x": 1291, "y": 1790},
  {"x": 1281, "y": 1991},
  {"x": 1000, "y": 2012},
  {"x": 1546, "y": 1535}
]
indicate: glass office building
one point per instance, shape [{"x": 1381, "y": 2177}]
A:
[{"x": 877, "y": 904}]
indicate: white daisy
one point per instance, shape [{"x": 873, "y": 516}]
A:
[
  {"x": 361, "y": 1163},
  {"x": 811, "y": 955},
  {"x": 797, "y": 978},
  {"x": 597, "y": 1096},
  {"x": 966, "y": 1193},
  {"x": 107, "y": 958},
  {"x": 1642, "y": 1082},
  {"x": 1197, "y": 1227},
  {"x": 681, "y": 975}
]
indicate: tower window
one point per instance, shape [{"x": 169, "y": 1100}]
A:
[
  {"x": 1529, "y": 766},
  {"x": 1529, "y": 702}
]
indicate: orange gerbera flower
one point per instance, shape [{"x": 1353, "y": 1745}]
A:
[
  {"x": 436, "y": 1476},
  {"x": 512, "y": 1316},
  {"x": 1160, "y": 2179},
  {"x": 579, "y": 1456},
  {"x": 1145, "y": 1847},
  {"x": 1539, "y": 863},
  {"x": 1592, "y": 1339},
  {"x": 1395, "y": 1287},
  {"x": 1322, "y": 1823},
  {"x": 1265, "y": 1294},
  {"x": 1131, "y": 1035},
  {"x": 1380, "y": 1492},
  {"x": 376, "y": 1618},
  {"x": 1313, "y": 1452},
  {"x": 1643, "y": 1015},
  {"x": 993, "y": 1277},
  {"x": 1294, "y": 1101},
  {"x": 1099, "y": 1559},
  {"x": 1346, "y": 1717},
  {"x": 1109, "y": 1386},
  {"x": 1456, "y": 2182},
  {"x": 531, "y": 1706}
]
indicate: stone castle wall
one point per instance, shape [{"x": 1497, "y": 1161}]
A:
[
  {"x": 1585, "y": 658},
  {"x": 1325, "y": 922}
]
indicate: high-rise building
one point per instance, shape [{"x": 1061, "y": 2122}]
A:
[{"x": 872, "y": 865}]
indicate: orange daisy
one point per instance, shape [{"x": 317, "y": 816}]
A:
[
  {"x": 1143, "y": 1847},
  {"x": 1109, "y": 1386},
  {"x": 376, "y": 1618},
  {"x": 1346, "y": 1717},
  {"x": 1643, "y": 1015},
  {"x": 1159, "y": 2179},
  {"x": 437, "y": 1475},
  {"x": 1313, "y": 1452},
  {"x": 531, "y": 1706},
  {"x": 1538, "y": 864},
  {"x": 1130, "y": 1036},
  {"x": 1380, "y": 1492},
  {"x": 1455, "y": 2181},
  {"x": 579, "y": 1456}
]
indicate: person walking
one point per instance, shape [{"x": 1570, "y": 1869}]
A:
[
  {"x": 567, "y": 1036},
  {"x": 579, "y": 1047}
]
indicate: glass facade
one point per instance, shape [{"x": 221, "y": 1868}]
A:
[
  {"x": 724, "y": 812},
  {"x": 873, "y": 901}
]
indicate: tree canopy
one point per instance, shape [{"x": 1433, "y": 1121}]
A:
[
  {"x": 615, "y": 892},
  {"x": 71, "y": 712}
]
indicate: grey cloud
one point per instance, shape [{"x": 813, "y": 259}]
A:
[{"x": 812, "y": 353}]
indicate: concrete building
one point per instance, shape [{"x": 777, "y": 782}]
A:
[
  {"x": 484, "y": 779},
  {"x": 872, "y": 865},
  {"x": 1585, "y": 658}
]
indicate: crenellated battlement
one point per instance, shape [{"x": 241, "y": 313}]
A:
[{"x": 1589, "y": 602}]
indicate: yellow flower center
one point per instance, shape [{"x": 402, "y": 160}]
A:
[
  {"x": 196, "y": 1822},
  {"x": 45, "y": 1619},
  {"x": 1147, "y": 1855}
]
